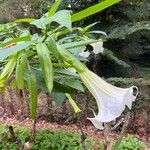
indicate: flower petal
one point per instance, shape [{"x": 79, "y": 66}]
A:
[
  {"x": 84, "y": 54},
  {"x": 98, "y": 47},
  {"x": 110, "y": 99}
]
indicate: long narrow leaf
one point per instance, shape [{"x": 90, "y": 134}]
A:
[
  {"x": 54, "y": 8},
  {"x": 93, "y": 9},
  {"x": 46, "y": 65},
  {"x": 33, "y": 91},
  {"x": 20, "y": 70},
  {"x": 78, "y": 44},
  {"x": 28, "y": 20},
  {"x": 73, "y": 103},
  {"x": 5, "y": 52},
  {"x": 6, "y": 72},
  {"x": 25, "y": 38}
]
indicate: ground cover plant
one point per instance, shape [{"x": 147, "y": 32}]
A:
[{"x": 59, "y": 140}]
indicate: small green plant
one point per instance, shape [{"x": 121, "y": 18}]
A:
[
  {"x": 46, "y": 139},
  {"x": 131, "y": 143}
]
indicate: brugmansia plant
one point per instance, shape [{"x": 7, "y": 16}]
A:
[{"x": 44, "y": 61}]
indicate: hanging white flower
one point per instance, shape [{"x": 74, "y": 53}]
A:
[
  {"x": 98, "y": 47},
  {"x": 84, "y": 54},
  {"x": 111, "y": 100}
]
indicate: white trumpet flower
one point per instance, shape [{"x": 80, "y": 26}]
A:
[
  {"x": 84, "y": 54},
  {"x": 98, "y": 47},
  {"x": 111, "y": 100}
]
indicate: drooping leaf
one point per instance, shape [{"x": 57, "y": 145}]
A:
[
  {"x": 20, "y": 70},
  {"x": 46, "y": 65},
  {"x": 33, "y": 94},
  {"x": 93, "y": 9},
  {"x": 70, "y": 58},
  {"x": 40, "y": 79},
  {"x": 7, "y": 72},
  {"x": 54, "y": 8},
  {"x": 51, "y": 44},
  {"x": 73, "y": 103},
  {"x": 5, "y": 52}
]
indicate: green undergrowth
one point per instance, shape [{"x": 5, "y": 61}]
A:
[{"x": 47, "y": 139}]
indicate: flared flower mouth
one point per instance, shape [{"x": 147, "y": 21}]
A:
[{"x": 111, "y": 100}]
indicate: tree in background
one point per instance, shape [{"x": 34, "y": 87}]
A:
[
  {"x": 127, "y": 25},
  {"x": 127, "y": 48}
]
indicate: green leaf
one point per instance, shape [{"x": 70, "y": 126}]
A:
[
  {"x": 78, "y": 44},
  {"x": 75, "y": 84},
  {"x": 73, "y": 103},
  {"x": 33, "y": 92},
  {"x": 58, "y": 87},
  {"x": 54, "y": 8},
  {"x": 59, "y": 97},
  {"x": 63, "y": 18},
  {"x": 93, "y": 10},
  {"x": 51, "y": 44},
  {"x": 5, "y": 52},
  {"x": 66, "y": 72},
  {"x": 40, "y": 79},
  {"x": 20, "y": 70},
  {"x": 7, "y": 72},
  {"x": 25, "y": 38},
  {"x": 97, "y": 32},
  {"x": 46, "y": 65},
  {"x": 41, "y": 23},
  {"x": 28, "y": 20},
  {"x": 71, "y": 59},
  {"x": 90, "y": 26}
]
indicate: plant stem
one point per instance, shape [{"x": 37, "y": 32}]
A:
[
  {"x": 107, "y": 131},
  {"x": 83, "y": 137},
  {"x": 33, "y": 132},
  {"x": 123, "y": 131}
]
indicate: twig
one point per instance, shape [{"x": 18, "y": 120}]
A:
[
  {"x": 33, "y": 132},
  {"x": 123, "y": 131},
  {"x": 117, "y": 125},
  {"x": 21, "y": 105},
  {"x": 148, "y": 124},
  {"x": 107, "y": 131},
  {"x": 11, "y": 130},
  {"x": 83, "y": 137},
  {"x": 15, "y": 139}
]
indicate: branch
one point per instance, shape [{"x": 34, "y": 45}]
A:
[{"x": 124, "y": 129}]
